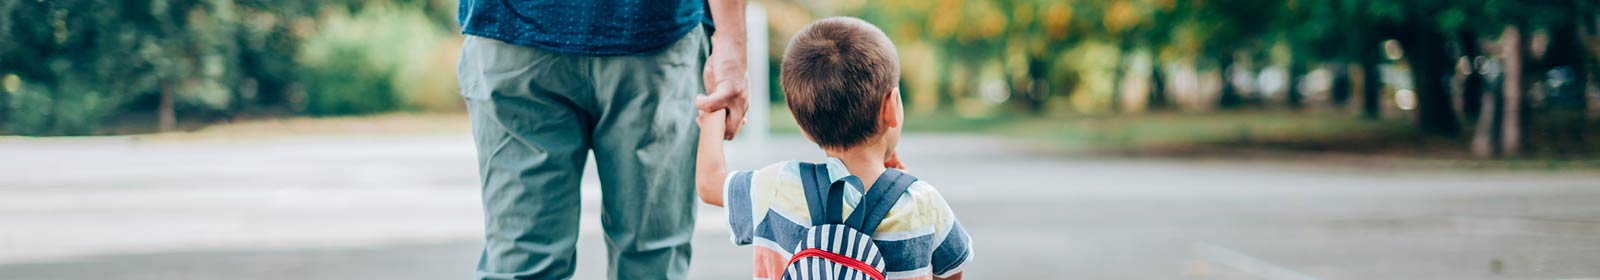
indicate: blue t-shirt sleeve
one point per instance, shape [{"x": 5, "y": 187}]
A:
[
  {"x": 952, "y": 254},
  {"x": 737, "y": 200}
]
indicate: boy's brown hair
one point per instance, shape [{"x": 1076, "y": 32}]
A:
[{"x": 836, "y": 74}]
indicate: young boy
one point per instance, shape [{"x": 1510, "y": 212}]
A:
[{"x": 840, "y": 77}]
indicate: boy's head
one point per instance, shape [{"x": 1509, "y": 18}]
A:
[{"x": 840, "y": 76}]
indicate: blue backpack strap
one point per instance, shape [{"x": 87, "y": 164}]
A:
[
  {"x": 875, "y": 204},
  {"x": 814, "y": 196},
  {"x": 835, "y": 197},
  {"x": 824, "y": 197}
]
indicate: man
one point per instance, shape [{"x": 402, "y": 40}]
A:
[{"x": 547, "y": 81}]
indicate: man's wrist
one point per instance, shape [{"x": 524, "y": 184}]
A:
[
  {"x": 733, "y": 39},
  {"x": 729, "y": 55}
]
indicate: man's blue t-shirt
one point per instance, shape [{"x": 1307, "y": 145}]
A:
[{"x": 583, "y": 27}]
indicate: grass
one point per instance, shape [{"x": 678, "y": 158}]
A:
[
  {"x": 1176, "y": 132},
  {"x": 1155, "y": 130},
  {"x": 401, "y": 124},
  {"x": 783, "y": 123},
  {"x": 1254, "y": 133},
  {"x": 1553, "y": 143}
]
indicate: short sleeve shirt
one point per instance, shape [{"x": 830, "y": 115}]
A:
[
  {"x": 920, "y": 237},
  {"x": 588, "y": 27}
]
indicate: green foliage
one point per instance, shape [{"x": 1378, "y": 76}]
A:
[
  {"x": 80, "y": 62},
  {"x": 376, "y": 60},
  {"x": 84, "y": 60},
  {"x": 349, "y": 84},
  {"x": 1040, "y": 42},
  {"x": 36, "y": 109}
]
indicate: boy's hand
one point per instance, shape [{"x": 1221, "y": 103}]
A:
[
  {"x": 894, "y": 162},
  {"x": 713, "y": 121},
  {"x": 709, "y": 166}
]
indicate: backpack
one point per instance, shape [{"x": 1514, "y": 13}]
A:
[{"x": 841, "y": 247}]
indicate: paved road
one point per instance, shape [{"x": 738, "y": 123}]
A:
[{"x": 406, "y": 207}]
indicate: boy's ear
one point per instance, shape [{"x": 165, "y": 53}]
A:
[{"x": 890, "y": 112}]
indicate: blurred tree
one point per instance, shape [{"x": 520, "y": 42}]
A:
[
  {"x": 914, "y": 20},
  {"x": 1223, "y": 29},
  {"x": 1421, "y": 27},
  {"x": 83, "y": 60},
  {"x": 78, "y": 63},
  {"x": 1135, "y": 25},
  {"x": 1350, "y": 30},
  {"x": 1312, "y": 30},
  {"x": 1039, "y": 33},
  {"x": 1503, "y": 124},
  {"x": 1439, "y": 44}
]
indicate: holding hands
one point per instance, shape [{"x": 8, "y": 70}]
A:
[{"x": 727, "y": 81}]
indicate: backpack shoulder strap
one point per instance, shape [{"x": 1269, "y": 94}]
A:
[
  {"x": 875, "y": 204},
  {"x": 824, "y": 198}
]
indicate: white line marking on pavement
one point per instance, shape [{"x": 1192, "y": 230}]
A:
[{"x": 1244, "y": 263}]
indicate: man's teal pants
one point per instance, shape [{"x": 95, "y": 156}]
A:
[{"x": 535, "y": 117}]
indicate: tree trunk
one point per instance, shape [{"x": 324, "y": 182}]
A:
[
  {"x": 1228, "y": 97},
  {"x": 1341, "y": 85},
  {"x": 1297, "y": 68},
  {"x": 1120, "y": 73},
  {"x": 1512, "y": 96},
  {"x": 946, "y": 91},
  {"x": 1125, "y": 48},
  {"x": 1371, "y": 86},
  {"x": 166, "y": 115},
  {"x": 1472, "y": 84},
  {"x": 1028, "y": 99},
  {"x": 1567, "y": 49},
  {"x": 1576, "y": 89},
  {"x": 1158, "y": 86},
  {"x": 1485, "y": 137},
  {"x": 1038, "y": 92},
  {"x": 1594, "y": 77},
  {"x": 5, "y": 104},
  {"x": 1580, "y": 74},
  {"x": 1429, "y": 66},
  {"x": 1591, "y": 43}
]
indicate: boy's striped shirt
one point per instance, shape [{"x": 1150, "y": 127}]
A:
[{"x": 920, "y": 238}]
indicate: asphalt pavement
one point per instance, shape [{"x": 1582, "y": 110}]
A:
[{"x": 407, "y": 207}]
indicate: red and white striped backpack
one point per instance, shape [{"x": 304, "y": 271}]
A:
[{"x": 838, "y": 247}]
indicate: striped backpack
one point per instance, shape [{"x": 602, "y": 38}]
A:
[{"x": 841, "y": 247}]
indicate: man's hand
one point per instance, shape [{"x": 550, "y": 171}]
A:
[
  {"x": 726, "y": 77},
  {"x": 727, "y": 81}
]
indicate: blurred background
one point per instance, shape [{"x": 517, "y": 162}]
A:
[{"x": 1147, "y": 139}]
